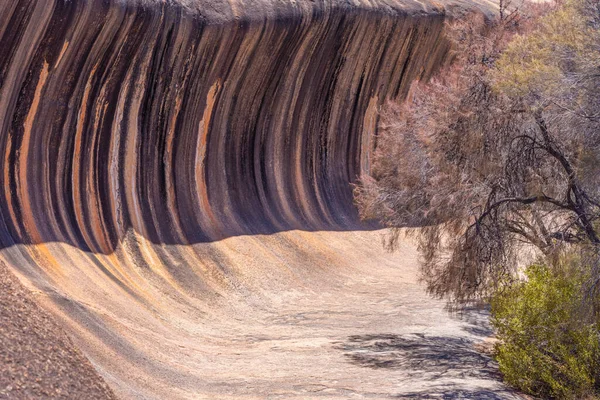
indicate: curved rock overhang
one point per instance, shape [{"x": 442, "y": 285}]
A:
[{"x": 118, "y": 117}]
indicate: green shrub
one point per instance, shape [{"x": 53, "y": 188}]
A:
[{"x": 548, "y": 346}]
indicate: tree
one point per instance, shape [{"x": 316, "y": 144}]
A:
[{"x": 499, "y": 154}]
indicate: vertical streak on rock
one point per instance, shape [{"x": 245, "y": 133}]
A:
[
  {"x": 200, "y": 165},
  {"x": 23, "y": 183},
  {"x": 78, "y": 197}
]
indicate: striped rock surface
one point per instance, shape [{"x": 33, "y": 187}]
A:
[{"x": 172, "y": 169}]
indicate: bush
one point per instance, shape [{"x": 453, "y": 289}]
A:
[{"x": 548, "y": 346}]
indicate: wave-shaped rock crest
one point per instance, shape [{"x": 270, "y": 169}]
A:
[{"x": 117, "y": 117}]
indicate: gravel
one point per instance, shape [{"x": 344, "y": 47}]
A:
[{"x": 37, "y": 358}]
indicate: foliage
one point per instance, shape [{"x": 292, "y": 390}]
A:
[
  {"x": 500, "y": 153},
  {"x": 547, "y": 346},
  {"x": 562, "y": 49}
]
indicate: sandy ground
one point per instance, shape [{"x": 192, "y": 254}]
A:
[
  {"x": 309, "y": 315},
  {"x": 370, "y": 333}
]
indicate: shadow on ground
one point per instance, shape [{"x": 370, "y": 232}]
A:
[
  {"x": 429, "y": 357},
  {"x": 455, "y": 394},
  {"x": 477, "y": 319},
  {"x": 432, "y": 357}
]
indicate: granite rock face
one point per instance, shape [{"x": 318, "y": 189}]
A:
[
  {"x": 138, "y": 137},
  {"x": 118, "y": 116}
]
